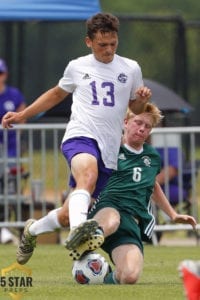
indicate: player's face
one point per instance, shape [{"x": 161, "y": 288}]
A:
[
  {"x": 137, "y": 129},
  {"x": 103, "y": 46}
]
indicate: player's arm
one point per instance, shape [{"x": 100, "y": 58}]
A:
[
  {"x": 170, "y": 171},
  {"x": 46, "y": 101},
  {"x": 143, "y": 94},
  {"x": 162, "y": 202}
]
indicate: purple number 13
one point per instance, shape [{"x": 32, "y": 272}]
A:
[{"x": 107, "y": 101}]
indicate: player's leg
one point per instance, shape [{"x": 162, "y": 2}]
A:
[
  {"x": 32, "y": 229},
  {"x": 84, "y": 157},
  {"x": 85, "y": 171},
  {"x": 128, "y": 260},
  {"x": 108, "y": 220},
  {"x": 126, "y": 251}
]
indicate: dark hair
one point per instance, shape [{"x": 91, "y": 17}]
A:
[{"x": 103, "y": 22}]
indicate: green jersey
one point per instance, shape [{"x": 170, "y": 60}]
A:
[{"x": 130, "y": 187}]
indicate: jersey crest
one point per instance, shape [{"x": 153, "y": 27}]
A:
[
  {"x": 146, "y": 161},
  {"x": 122, "y": 78}
]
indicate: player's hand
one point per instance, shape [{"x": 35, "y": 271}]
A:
[
  {"x": 11, "y": 118},
  {"x": 143, "y": 94},
  {"x": 185, "y": 219}
]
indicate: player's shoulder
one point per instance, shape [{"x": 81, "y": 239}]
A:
[
  {"x": 151, "y": 150},
  {"x": 127, "y": 62},
  {"x": 81, "y": 60}
]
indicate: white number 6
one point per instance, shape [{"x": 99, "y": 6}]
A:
[{"x": 137, "y": 174}]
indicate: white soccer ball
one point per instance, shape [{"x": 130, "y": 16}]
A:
[{"x": 91, "y": 269}]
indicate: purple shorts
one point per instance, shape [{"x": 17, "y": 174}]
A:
[{"x": 78, "y": 145}]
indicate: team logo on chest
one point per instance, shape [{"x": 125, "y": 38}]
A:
[
  {"x": 122, "y": 78},
  {"x": 146, "y": 161}
]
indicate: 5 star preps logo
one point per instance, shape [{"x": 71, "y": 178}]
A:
[
  {"x": 122, "y": 78},
  {"x": 16, "y": 281}
]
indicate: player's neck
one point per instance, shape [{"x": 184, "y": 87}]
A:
[
  {"x": 137, "y": 149},
  {"x": 101, "y": 62}
]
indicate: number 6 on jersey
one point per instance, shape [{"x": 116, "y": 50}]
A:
[{"x": 137, "y": 174}]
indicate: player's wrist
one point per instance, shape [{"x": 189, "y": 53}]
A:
[
  {"x": 22, "y": 116},
  {"x": 174, "y": 216}
]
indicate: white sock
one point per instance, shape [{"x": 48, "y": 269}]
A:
[
  {"x": 79, "y": 202},
  {"x": 46, "y": 224}
]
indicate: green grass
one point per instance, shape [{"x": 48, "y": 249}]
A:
[{"x": 51, "y": 272}]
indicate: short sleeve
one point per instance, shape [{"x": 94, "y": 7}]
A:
[
  {"x": 137, "y": 81},
  {"x": 67, "y": 81}
]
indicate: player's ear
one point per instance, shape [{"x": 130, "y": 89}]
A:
[
  {"x": 88, "y": 42},
  {"x": 125, "y": 122}
]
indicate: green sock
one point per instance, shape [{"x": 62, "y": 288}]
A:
[{"x": 110, "y": 279}]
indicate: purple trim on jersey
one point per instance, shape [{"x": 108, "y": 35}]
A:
[{"x": 78, "y": 145}]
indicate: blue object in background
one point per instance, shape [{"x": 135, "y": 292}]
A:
[{"x": 47, "y": 10}]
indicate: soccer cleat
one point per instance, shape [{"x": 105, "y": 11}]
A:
[
  {"x": 190, "y": 273},
  {"x": 92, "y": 243},
  {"x": 80, "y": 234},
  {"x": 27, "y": 244}
]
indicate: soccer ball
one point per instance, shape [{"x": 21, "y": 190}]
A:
[{"x": 91, "y": 269}]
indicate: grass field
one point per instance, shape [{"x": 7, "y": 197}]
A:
[{"x": 51, "y": 272}]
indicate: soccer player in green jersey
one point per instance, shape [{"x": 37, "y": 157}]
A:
[{"x": 123, "y": 208}]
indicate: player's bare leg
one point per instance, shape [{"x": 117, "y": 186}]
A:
[
  {"x": 128, "y": 260},
  {"x": 108, "y": 219},
  {"x": 85, "y": 172}
]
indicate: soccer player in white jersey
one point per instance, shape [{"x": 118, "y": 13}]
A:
[{"x": 103, "y": 85}]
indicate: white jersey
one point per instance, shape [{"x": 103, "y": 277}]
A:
[{"x": 101, "y": 93}]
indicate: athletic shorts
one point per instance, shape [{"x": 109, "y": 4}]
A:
[
  {"x": 128, "y": 231},
  {"x": 78, "y": 145}
]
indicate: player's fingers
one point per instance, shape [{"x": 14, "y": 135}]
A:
[
  {"x": 144, "y": 92},
  {"x": 7, "y": 120},
  {"x": 190, "y": 220},
  {"x": 193, "y": 222}
]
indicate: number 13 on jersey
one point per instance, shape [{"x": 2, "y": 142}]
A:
[{"x": 109, "y": 88}]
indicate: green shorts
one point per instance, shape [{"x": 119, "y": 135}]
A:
[{"x": 128, "y": 231}]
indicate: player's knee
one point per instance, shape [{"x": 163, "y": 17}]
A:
[
  {"x": 128, "y": 277},
  {"x": 113, "y": 224},
  {"x": 91, "y": 177},
  {"x": 87, "y": 180}
]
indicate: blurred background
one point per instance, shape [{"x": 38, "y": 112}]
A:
[{"x": 162, "y": 36}]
